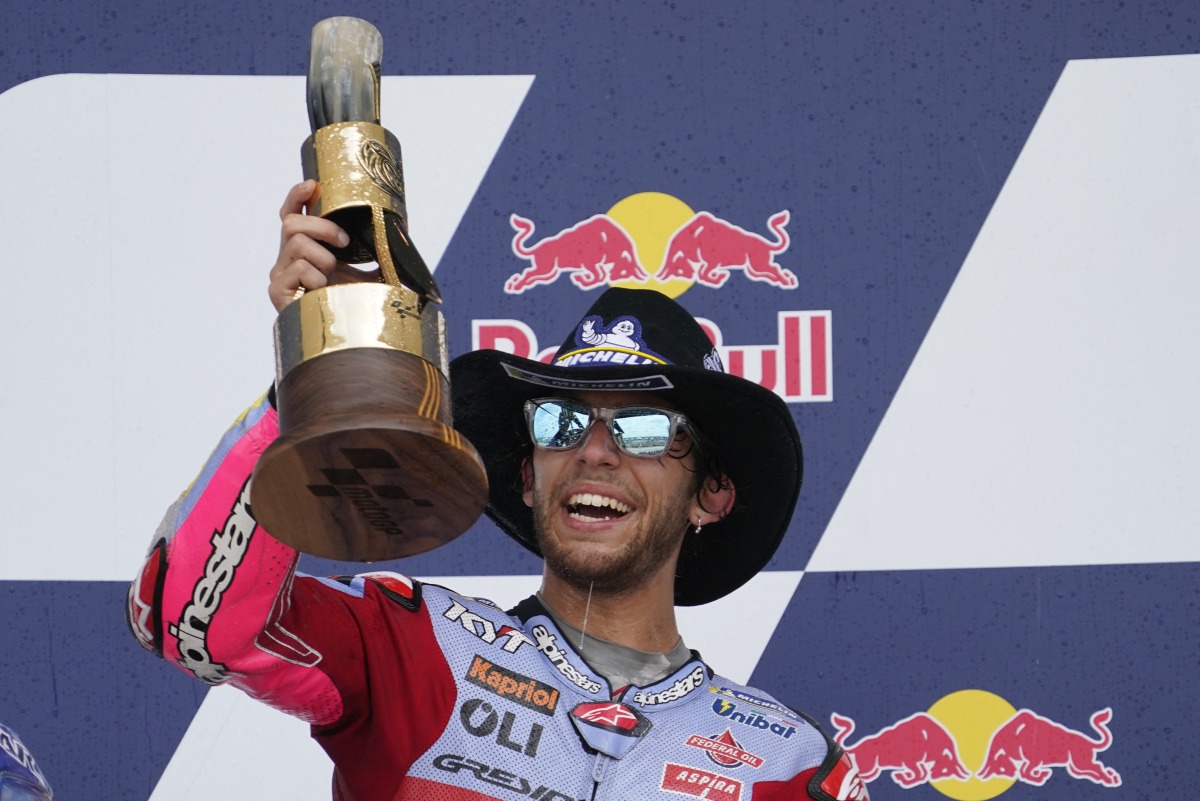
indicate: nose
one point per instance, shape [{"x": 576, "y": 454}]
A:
[{"x": 598, "y": 447}]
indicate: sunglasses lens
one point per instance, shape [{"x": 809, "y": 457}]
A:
[
  {"x": 558, "y": 424},
  {"x": 642, "y": 432}
]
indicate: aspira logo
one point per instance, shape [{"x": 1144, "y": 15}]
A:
[
  {"x": 679, "y": 689},
  {"x": 700, "y": 783},
  {"x": 547, "y": 643},
  {"x": 229, "y": 546}
]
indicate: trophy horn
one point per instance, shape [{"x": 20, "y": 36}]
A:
[{"x": 356, "y": 162}]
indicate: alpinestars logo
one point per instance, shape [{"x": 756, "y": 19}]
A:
[
  {"x": 547, "y": 643},
  {"x": 229, "y": 547},
  {"x": 673, "y": 693}
]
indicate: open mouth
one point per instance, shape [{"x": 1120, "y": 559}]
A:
[{"x": 589, "y": 506}]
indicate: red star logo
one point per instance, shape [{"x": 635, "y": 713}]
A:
[{"x": 609, "y": 715}]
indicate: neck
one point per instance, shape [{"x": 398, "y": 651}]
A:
[{"x": 643, "y": 619}]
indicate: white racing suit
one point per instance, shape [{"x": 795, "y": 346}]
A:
[{"x": 416, "y": 692}]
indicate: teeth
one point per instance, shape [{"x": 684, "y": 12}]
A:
[{"x": 602, "y": 501}]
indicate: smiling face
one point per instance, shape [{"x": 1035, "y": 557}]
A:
[{"x": 608, "y": 520}]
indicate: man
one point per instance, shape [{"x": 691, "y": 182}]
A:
[{"x": 646, "y": 477}]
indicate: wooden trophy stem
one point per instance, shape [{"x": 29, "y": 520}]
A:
[{"x": 367, "y": 466}]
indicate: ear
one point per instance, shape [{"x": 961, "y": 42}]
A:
[
  {"x": 527, "y": 482},
  {"x": 714, "y": 500}
]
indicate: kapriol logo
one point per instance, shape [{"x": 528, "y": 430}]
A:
[
  {"x": 973, "y": 745},
  {"x": 655, "y": 241}
]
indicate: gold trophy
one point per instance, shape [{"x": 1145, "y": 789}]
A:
[{"x": 367, "y": 466}]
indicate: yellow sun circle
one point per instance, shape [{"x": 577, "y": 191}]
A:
[
  {"x": 972, "y": 716},
  {"x": 650, "y": 218}
]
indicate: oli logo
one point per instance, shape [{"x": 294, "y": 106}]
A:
[
  {"x": 481, "y": 720},
  {"x": 973, "y": 745},
  {"x": 655, "y": 241}
]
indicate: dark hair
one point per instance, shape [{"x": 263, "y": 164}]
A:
[{"x": 709, "y": 469}]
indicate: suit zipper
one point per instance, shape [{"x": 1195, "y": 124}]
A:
[{"x": 599, "y": 768}]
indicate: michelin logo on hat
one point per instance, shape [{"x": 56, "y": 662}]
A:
[{"x": 618, "y": 343}]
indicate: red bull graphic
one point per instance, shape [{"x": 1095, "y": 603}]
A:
[
  {"x": 685, "y": 249},
  {"x": 706, "y": 248},
  {"x": 654, "y": 240},
  {"x": 916, "y": 750},
  {"x": 973, "y": 745},
  {"x": 798, "y": 367},
  {"x": 594, "y": 252},
  {"x": 1028, "y": 745}
]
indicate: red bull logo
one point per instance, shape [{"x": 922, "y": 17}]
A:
[
  {"x": 685, "y": 249},
  {"x": 700, "y": 248},
  {"x": 973, "y": 745},
  {"x": 916, "y": 750},
  {"x": 706, "y": 248},
  {"x": 594, "y": 252},
  {"x": 1028, "y": 745},
  {"x": 798, "y": 366}
]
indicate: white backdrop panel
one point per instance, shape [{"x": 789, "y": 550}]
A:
[{"x": 142, "y": 213}]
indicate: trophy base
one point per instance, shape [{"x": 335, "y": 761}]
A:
[{"x": 353, "y": 479}]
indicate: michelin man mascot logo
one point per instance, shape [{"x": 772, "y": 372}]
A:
[
  {"x": 618, "y": 343},
  {"x": 625, "y": 332}
]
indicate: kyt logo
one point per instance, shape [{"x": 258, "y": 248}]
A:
[{"x": 485, "y": 629}]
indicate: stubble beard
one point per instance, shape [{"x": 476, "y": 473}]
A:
[{"x": 620, "y": 572}]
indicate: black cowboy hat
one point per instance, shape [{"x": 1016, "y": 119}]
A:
[{"x": 637, "y": 339}]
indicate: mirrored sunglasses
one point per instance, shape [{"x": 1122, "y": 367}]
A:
[{"x": 558, "y": 424}]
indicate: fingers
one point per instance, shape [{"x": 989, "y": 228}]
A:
[
  {"x": 295, "y": 221},
  {"x": 285, "y": 285},
  {"x": 297, "y": 198},
  {"x": 303, "y": 259}
]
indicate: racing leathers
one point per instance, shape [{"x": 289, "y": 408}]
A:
[{"x": 417, "y": 692}]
